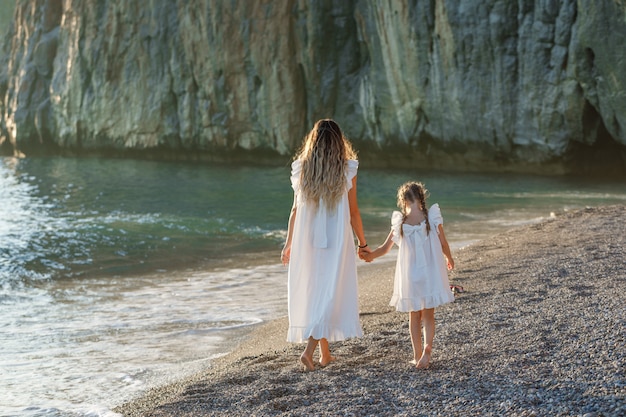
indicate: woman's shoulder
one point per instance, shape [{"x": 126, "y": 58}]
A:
[
  {"x": 296, "y": 169},
  {"x": 352, "y": 168},
  {"x": 352, "y": 164}
]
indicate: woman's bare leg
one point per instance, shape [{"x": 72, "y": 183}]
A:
[
  {"x": 325, "y": 356},
  {"x": 307, "y": 356},
  {"x": 415, "y": 328},
  {"x": 428, "y": 317}
]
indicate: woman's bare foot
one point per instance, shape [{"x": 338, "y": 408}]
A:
[
  {"x": 413, "y": 361},
  {"x": 425, "y": 359},
  {"x": 327, "y": 360},
  {"x": 307, "y": 362}
]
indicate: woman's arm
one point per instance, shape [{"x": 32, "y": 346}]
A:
[
  {"x": 286, "y": 252},
  {"x": 355, "y": 218},
  {"x": 445, "y": 247}
]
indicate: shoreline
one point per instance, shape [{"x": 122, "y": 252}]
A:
[{"x": 539, "y": 331}]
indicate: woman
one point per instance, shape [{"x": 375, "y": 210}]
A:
[{"x": 322, "y": 286}]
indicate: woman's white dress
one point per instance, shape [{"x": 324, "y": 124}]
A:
[
  {"x": 421, "y": 278},
  {"x": 322, "y": 284}
]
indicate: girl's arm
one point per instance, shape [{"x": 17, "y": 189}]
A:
[
  {"x": 445, "y": 247},
  {"x": 286, "y": 253},
  {"x": 355, "y": 218},
  {"x": 381, "y": 250}
]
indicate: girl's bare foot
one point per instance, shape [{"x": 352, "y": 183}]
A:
[
  {"x": 327, "y": 360},
  {"x": 307, "y": 362},
  {"x": 425, "y": 359}
]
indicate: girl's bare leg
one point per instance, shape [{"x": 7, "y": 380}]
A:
[
  {"x": 415, "y": 328},
  {"x": 307, "y": 356},
  {"x": 325, "y": 356},
  {"x": 428, "y": 316}
]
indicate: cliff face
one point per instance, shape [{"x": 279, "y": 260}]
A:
[{"x": 487, "y": 84}]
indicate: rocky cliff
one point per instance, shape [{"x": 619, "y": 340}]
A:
[{"x": 535, "y": 85}]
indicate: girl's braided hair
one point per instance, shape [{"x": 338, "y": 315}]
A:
[{"x": 413, "y": 191}]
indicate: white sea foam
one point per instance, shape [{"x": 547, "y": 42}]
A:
[{"x": 73, "y": 345}]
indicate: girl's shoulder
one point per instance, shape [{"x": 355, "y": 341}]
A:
[
  {"x": 397, "y": 219},
  {"x": 434, "y": 215}
]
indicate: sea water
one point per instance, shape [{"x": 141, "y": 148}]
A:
[{"x": 118, "y": 275}]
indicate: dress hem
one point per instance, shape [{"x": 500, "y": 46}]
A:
[
  {"x": 406, "y": 305},
  {"x": 302, "y": 334}
]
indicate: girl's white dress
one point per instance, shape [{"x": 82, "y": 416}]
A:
[
  {"x": 322, "y": 283},
  {"x": 421, "y": 279}
]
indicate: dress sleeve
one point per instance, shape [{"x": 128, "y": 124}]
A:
[
  {"x": 353, "y": 166},
  {"x": 396, "y": 224},
  {"x": 434, "y": 216},
  {"x": 296, "y": 169}
]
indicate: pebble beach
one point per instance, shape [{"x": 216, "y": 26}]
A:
[{"x": 540, "y": 330}]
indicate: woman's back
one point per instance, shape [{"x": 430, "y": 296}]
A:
[{"x": 322, "y": 270}]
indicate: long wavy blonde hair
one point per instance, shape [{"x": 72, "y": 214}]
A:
[
  {"x": 324, "y": 154},
  {"x": 412, "y": 192}
]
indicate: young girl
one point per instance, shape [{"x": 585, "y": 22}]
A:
[
  {"x": 421, "y": 280},
  {"x": 322, "y": 284}
]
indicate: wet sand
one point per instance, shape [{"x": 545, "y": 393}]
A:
[{"x": 539, "y": 330}]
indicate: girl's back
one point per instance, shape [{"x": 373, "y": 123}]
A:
[{"x": 421, "y": 277}]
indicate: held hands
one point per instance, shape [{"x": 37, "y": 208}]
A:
[
  {"x": 365, "y": 253},
  {"x": 367, "y": 257}
]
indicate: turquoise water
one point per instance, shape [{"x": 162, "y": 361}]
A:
[
  {"x": 81, "y": 217},
  {"x": 117, "y": 275}
]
